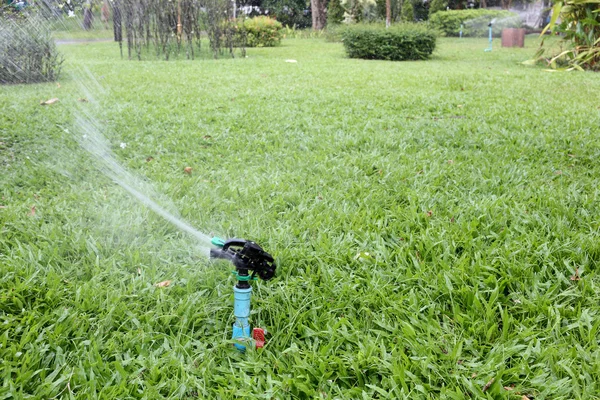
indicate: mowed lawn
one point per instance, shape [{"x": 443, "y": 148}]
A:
[{"x": 436, "y": 226}]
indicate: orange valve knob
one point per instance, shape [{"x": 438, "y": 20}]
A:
[{"x": 258, "y": 334}]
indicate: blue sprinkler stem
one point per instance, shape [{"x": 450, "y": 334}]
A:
[
  {"x": 241, "y": 310},
  {"x": 490, "y": 38}
]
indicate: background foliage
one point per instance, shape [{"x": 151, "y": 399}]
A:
[
  {"x": 293, "y": 13},
  {"x": 27, "y": 51},
  {"x": 475, "y": 22},
  {"x": 580, "y": 25},
  {"x": 171, "y": 27},
  {"x": 262, "y": 31}
]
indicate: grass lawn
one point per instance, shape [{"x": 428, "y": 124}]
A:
[{"x": 436, "y": 226}]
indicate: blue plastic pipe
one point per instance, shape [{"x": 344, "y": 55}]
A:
[
  {"x": 490, "y": 39},
  {"x": 241, "y": 310}
]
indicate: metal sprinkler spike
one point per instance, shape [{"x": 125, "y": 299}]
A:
[{"x": 249, "y": 260}]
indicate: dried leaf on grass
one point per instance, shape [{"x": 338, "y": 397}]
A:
[
  {"x": 188, "y": 170},
  {"x": 49, "y": 102},
  {"x": 487, "y": 385},
  {"x": 83, "y": 100},
  {"x": 576, "y": 276},
  {"x": 32, "y": 211},
  {"x": 162, "y": 284}
]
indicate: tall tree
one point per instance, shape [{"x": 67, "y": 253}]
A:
[
  {"x": 117, "y": 27},
  {"x": 388, "y": 13},
  {"x": 319, "y": 13}
]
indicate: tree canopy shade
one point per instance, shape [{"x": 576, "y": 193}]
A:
[{"x": 289, "y": 12}]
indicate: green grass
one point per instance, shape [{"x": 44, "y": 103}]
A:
[{"x": 471, "y": 181}]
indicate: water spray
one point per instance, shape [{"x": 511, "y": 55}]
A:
[
  {"x": 249, "y": 260},
  {"x": 460, "y": 33},
  {"x": 490, "y": 35}
]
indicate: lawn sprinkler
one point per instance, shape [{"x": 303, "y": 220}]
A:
[
  {"x": 490, "y": 35},
  {"x": 249, "y": 260}
]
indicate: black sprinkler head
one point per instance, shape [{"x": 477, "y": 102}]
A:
[{"x": 247, "y": 257}]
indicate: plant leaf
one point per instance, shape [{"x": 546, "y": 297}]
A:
[{"x": 555, "y": 13}]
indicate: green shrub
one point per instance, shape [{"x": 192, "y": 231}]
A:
[
  {"x": 475, "y": 21},
  {"x": 580, "y": 25},
  {"x": 397, "y": 43},
  {"x": 335, "y": 12},
  {"x": 408, "y": 12},
  {"x": 263, "y": 31},
  {"x": 27, "y": 51},
  {"x": 437, "y": 5}
]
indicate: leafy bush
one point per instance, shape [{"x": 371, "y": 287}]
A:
[
  {"x": 580, "y": 25},
  {"x": 290, "y": 13},
  {"x": 335, "y": 12},
  {"x": 408, "y": 12},
  {"x": 475, "y": 21},
  {"x": 437, "y": 5},
  {"x": 27, "y": 52},
  {"x": 397, "y": 43},
  {"x": 263, "y": 31}
]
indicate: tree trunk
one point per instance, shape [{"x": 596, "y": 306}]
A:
[
  {"x": 179, "y": 30},
  {"x": 388, "y": 13},
  {"x": 482, "y": 4},
  {"x": 319, "y": 17},
  {"x": 117, "y": 29},
  {"x": 88, "y": 18}
]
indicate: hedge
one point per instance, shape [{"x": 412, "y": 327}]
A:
[
  {"x": 398, "y": 43},
  {"x": 262, "y": 31},
  {"x": 475, "y": 21},
  {"x": 27, "y": 51}
]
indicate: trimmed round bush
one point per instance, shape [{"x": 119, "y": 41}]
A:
[
  {"x": 399, "y": 42},
  {"x": 475, "y": 22},
  {"x": 27, "y": 51},
  {"x": 263, "y": 31}
]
